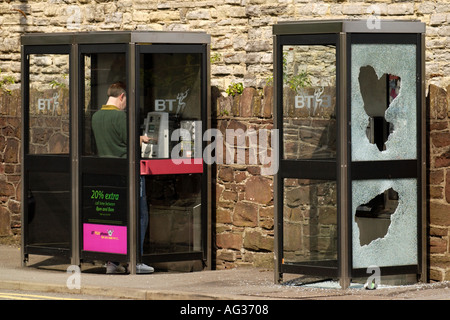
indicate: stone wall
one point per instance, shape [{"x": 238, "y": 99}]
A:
[
  {"x": 244, "y": 195},
  {"x": 439, "y": 182},
  {"x": 241, "y": 30},
  {"x": 10, "y": 171}
]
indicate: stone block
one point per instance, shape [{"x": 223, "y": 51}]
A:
[
  {"x": 442, "y": 160},
  {"x": 5, "y": 222},
  {"x": 6, "y": 189},
  {"x": 438, "y": 245},
  {"x": 229, "y": 241},
  {"x": 440, "y": 139},
  {"x": 438, "y": 102},
  {"x": 400, "y": 9},
  {"x": 245, "y": 215},
  {"x": 436, "y": 177},
  {"x": 226, "y": 173},
  {"x": 12, "y": 151},
  {"x": 268, "y": 102},
  {"x": 256, "y": 241},
  {"x": 226, "y": 255},
  {"x": 259, "y": 190},
  {"x": 223, "y": 215},
  {"x": 439, "y": 214},
  {"x": 246, "y": 102}
]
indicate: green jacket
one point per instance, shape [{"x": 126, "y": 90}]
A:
[{"x": 110, "y": 131}]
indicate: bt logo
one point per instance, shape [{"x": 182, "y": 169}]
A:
[
  {"x": 49, "y": 104},
  {"x": 168, "y": 104}
]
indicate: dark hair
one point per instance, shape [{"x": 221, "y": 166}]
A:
[{"x": 116, "y": 89}]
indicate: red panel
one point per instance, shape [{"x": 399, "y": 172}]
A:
[{"x": 171, "y": 166}]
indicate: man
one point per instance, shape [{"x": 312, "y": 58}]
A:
[{"x": 110, "y": 131}]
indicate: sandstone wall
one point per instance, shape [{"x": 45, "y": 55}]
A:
[
  {"x": 241, "y": 30},
  {"x": 10, "y": 171},
  {"x": 439, "y": 182}
]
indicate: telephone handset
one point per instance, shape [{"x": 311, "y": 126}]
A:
[{"x": 156, "y": 127}]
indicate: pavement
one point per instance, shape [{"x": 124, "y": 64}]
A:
[{"x": 49, "y": 274}]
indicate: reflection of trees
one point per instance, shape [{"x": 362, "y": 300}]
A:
[
  {"x": 170, "y": 73},
  {"x": 165, "y": 76}
]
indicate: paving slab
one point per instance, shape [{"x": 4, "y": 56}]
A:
[{"x": 50, "y": 274}]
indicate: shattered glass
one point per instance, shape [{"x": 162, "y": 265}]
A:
[
  {"x": 383, "y": 127},
  {"x": 400, "y": 113},
  {"x": 399, "y": 245}
]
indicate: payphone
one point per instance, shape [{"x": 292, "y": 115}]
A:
[
  {"x": 156, "y": 127},
  {"x": 189, "y": 135}
]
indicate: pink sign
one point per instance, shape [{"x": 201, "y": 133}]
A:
[{"x": 105, "y": 238}]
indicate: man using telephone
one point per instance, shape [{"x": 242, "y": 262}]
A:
[{"x": 109, "y": 125}]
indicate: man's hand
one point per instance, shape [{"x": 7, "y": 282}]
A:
[{"x": 145, "y": 139}]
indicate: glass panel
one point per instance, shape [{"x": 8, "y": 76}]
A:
[
  {"x": 49, "y": 104},
  {"x": 175, "y": 214},
  {"x": 101, "y": 70},
  {"x": 309, "y": 101},
  {"x": 105, "y": 137},
  {"x": 383, "y": 99},
  {"x": 384, "y": 222},
  {"x": 310, "y": 222},
  {"x": 170, "y": 104},
  {"x": 49, "y": 208},
  {"x": 170, "y": 116}
]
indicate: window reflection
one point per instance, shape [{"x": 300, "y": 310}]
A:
[
  {"x": 309, "y": 102},
  {"x": 49, "y": 104},
  {"x": 170, "y": 100},
  {"x": 100, "y": 71},
  {"x": 310, "y": 222}
]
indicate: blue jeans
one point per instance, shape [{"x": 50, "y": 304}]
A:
[{"x": 143, "y": 212}]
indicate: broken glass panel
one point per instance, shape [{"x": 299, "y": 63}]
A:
[
  {"x": 374, "y": 217},
  {"x": 309, "y": 102},
  {"x": 384, "y": 222},
  {"x": 383, "y": 100}
]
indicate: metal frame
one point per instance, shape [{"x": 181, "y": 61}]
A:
[
  {"x": 394, "y": 169},
  {"x": 42, "y": 162},
  {"x": 95, "y": 165},
  {"x": 317, "y": 169},
  {"x": 75, "y": 44},
  {"x": 348, "y": 32}
]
